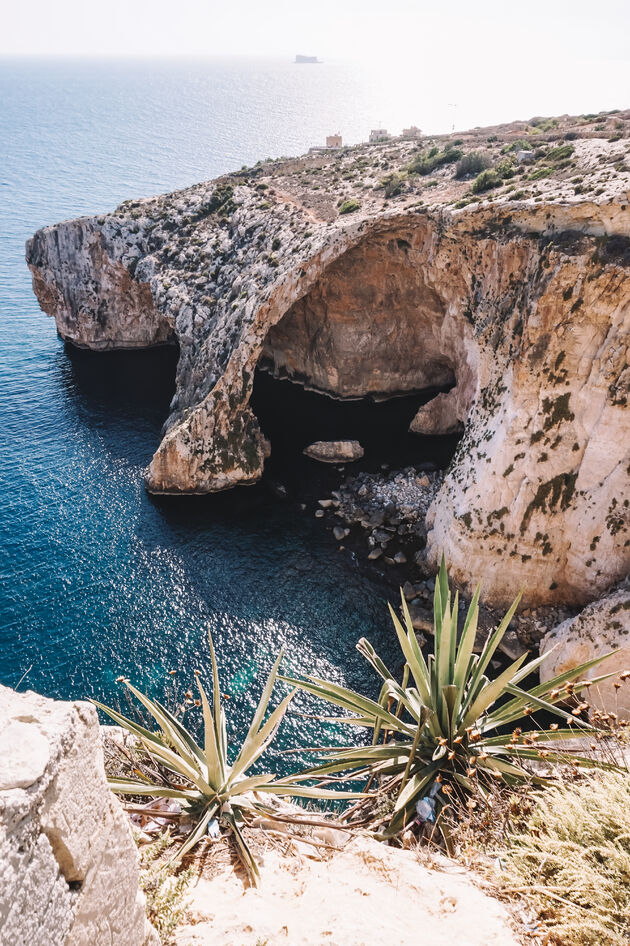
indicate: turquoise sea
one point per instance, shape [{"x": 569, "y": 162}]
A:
[{"x": 97, "y": 579}]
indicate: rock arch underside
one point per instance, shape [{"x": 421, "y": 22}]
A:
[{"x": 523, "y": 309}]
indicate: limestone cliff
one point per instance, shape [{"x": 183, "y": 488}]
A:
[{"x": 353, "y": 273}]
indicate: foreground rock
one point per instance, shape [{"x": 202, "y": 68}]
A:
[
  {"x": 68, "y": 862},
  {"x": 335, "y": 451},
  {"x": 518, "y": 299},
  {"x": 602, "y": 627},
  {"x": 367, "y": 894}
]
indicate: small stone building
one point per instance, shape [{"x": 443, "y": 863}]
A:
[
  {"x": 334, "y": 141},
  {"x": 379, "y": 134}
]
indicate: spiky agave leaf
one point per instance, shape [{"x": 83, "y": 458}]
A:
[
  {"x": 208, "y": 785},
  {"x": 439, "y": 727}
]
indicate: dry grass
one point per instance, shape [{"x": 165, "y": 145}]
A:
[{"x": 571, "y": 860}]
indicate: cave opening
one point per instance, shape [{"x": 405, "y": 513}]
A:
[
  {"x": 292, "y": 417},
  {"x": 357, "y": 355}
]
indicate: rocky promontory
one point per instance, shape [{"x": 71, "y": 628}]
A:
[{"x": 492, "y": 265}]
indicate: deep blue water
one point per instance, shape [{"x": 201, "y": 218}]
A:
[{"x": 97, "y": 578}]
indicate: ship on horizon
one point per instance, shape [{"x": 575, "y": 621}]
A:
[{"x": 302, "y": 59}]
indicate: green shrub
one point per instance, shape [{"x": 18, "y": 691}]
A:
[
  {"x": 486, "y": 181},
  {"x": 164, "y": 888},
  {"x": 520, "y": 145},
  {"x": 544, "y": 124},
  {"x": 506, "y": 168},
  {"x": 540, "y": 173},
  {"x": 561, "y": 153},
  {"x": 221, "y": 201},
  {"x": 426, "y": 164},
  {"x": 446, "y": 727},
  {"x": 472, "y": 164},
  {"x": 349, "y": 206},
  {"x": 393, "y": 184}
]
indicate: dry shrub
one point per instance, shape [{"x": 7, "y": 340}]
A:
[
  {"x": 165, "y": 886},
  {"x": 572, "y": 861}
]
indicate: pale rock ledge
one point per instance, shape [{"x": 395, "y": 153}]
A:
[
  {"x": 601, "y": 628},
  {"x": 68, "y": 862}
]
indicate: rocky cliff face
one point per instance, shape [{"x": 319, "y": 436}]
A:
[
  {"x": 308, "y": 269},
  {"x": 97, "y": 303}
]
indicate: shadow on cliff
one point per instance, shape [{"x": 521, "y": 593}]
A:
[{"x": 124, "y": 396}]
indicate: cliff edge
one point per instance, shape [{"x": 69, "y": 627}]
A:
[{"x": 384, "y": 269}]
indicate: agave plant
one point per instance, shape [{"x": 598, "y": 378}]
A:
[
  {"x": 447, "y": 726},
  {"x": 201, "y": 778}
]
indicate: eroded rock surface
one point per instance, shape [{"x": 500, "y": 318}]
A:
[
  {"x": 520, "y": 303},
  {"x": 68, "y": 862},
  {"x": 600, "y": 628}
]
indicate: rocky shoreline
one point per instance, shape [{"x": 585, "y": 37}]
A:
[
  {"x": 512, "y": 301},
  {"x": 382, "y": 519}
]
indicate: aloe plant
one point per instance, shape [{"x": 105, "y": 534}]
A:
[
  {"x": 206, "y": 784},
  {"x": 447, "y": 726}
]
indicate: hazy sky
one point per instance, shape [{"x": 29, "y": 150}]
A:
[{"x": 527, "y": 35}]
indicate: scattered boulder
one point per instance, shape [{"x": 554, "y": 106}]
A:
[
  {"x": 408, "y": 591},
  {"x": 335, "y": 451},
  {"x": 602, "y": 626},
  {"x": 340, "y": 533},
  {"x": 421, "y": 619}
]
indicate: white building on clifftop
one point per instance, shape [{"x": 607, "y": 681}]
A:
[{"x": 379, "y": 134}]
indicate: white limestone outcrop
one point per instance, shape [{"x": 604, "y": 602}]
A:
[
  {"x": 602, "y": 627},
  {"x": 68, "y": 862},
  {"x": 334, "y": 451}
]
